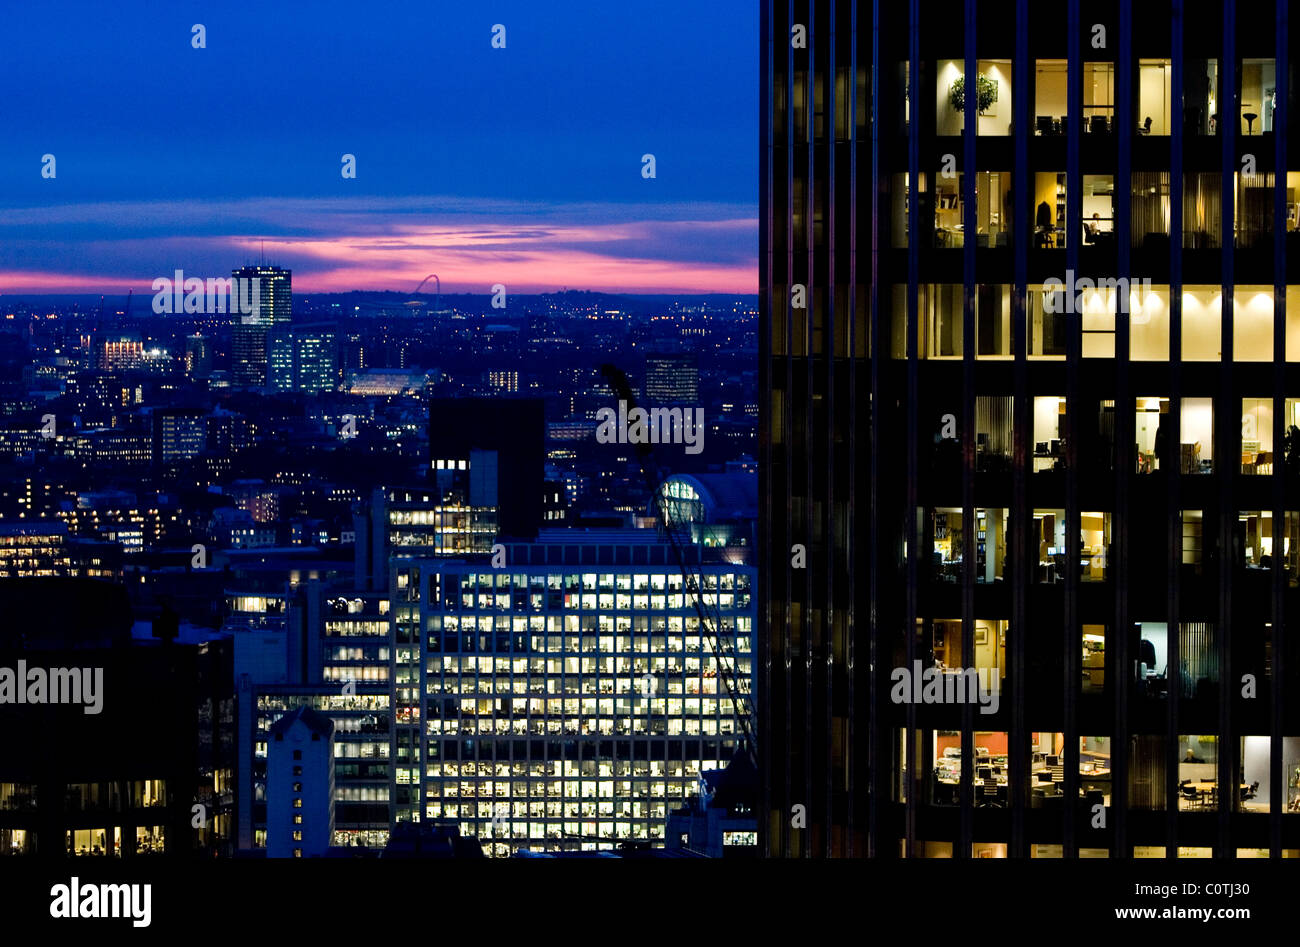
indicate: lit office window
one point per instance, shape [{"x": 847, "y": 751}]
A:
[
  {"x": 1098, "y": 97},
  {"x": 1149, "y": 210},
  {"x": 1155, "y": 110},
  {"x": 1197, "y": 433},
  {"x": 1051, "y": 93},
  {"x": 1252, "y": 324},
  {"x": 1094, "y": 771},
  {"x": 1256, "y": 435},
  {"x": 939, "y": 320},
  {"x": 1148, "y": 323},
  {"x": 1046, "y": 770},
  {"x": 1049, "y": 534},
  {"x": 1201, "y": 97},
  {"x": 1198, "y": 785},
  {"x": 993, "y": 434},
  {"x": 1094, "y": 659},
  {"x": 1151, "y": 434},
  {"x": 1193, "y": 530},
  {"x": 992, "y": 91},
  {"x": 1049, "y": 210},
  {"x": 1147, "y": 766},
  {"x": 1258, "y": 96},
  {"x": 1094, "y": 546},
  {"x": 1046, "y": 330},
  {"x": 1202, "y": 210},
  {"x": 1099, "y": 211},
  {"x": 1049, "y": 420},
  {"x": 1198, "y": 661}
]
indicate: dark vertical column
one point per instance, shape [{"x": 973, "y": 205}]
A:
[
  {"x": 828, "y": 597},
  {"x": 865, "y": 771},
  {"x": 1173, "y": 475},
  {"x": 808, "y": 739},
  {"x": 1119, "y": 565},
  {"x": 970, "y": 128},
  {"x": 1277, "y": 692},
  {"x": 1073, "y": 356},
  {"x": 1018, "y": 782},
  {"x": 913, "y": 387},
  {"x": 1227, "y": 434}
]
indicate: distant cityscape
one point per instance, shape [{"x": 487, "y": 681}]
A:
[{"x": 361, "y": 576}]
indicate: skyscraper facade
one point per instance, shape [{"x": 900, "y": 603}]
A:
[
  {"x": 249, "y": 334},
  {"x": 1028, "y": 360}
]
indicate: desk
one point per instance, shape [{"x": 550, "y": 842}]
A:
[{"x": 1207, "y": 789}]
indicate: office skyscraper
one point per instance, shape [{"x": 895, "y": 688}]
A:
[
  {"x": 1028, "y": 401},
  {"x": 249, "y": 342},
  {"x": 671, "y": 378}
]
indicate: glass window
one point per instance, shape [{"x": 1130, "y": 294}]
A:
[
  {"x": 1154, "y": 85},
  {"x": 1046, "y": 329},
  {"x": 1200, "y": 99},
  {"x": 1099, "y": 210},
  {"x": 1202, "y": 325},
  {"x": 1198, "y": 772},
  {"x": 1257, "y": 435},
  {"x": 1252, "y": 324},
  {"x": 1049, "y": 210},
  {"x": 993, "y": 438},
  {"x": 1094, "y": 659},
  {"x": 1049, "y": 531},
  {"x": 993, "y": 320},
  {"x": 1202, "y": 210},
  {"x": 940, "y": 320},
  {"x": 1148, "y": 323},
  {"x": 1151, "y": 434},
  {"x": 1258, "y": 96},
  {"x": 1197, "y": 421},
  {"x": 1098, "y": 97},
  {"x": 1051, "y": 91},
  {"x": 1049, "y": 415},
  {"x": 993, "y": 97},
  {"x": 1193, "y": 522},
  {"x": 1150, "y": 210},
  {"x": 1094, "y": 546},
  {"x": 1253, "y": 210}
]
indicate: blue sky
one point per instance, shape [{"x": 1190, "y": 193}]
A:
[{"x": 523, "y": 161}]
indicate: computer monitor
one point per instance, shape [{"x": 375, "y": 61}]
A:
[
  {"x": 1053, "y": 761},
  {"x": 985, "y": 772}
]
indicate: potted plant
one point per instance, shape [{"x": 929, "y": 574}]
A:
[{"x": 986, "y": 92}]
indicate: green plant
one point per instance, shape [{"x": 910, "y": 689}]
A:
[{"x": 986, "y": 92}]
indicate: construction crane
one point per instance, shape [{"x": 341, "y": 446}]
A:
[{"x": 723, "y": 647}]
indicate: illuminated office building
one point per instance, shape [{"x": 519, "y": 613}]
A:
[
  {"x": 671, "y": 378},
  {"x": 569, "y": 700},
  {"x": 1029, "y": 360},
  {"x": 250, "y": 333}
]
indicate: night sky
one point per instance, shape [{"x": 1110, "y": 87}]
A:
[{"x": 519, "y": 165}]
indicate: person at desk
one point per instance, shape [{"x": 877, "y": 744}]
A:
[
  {"x": 1090, "y": 230},
  {"x": 1191, "y": 757}
]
